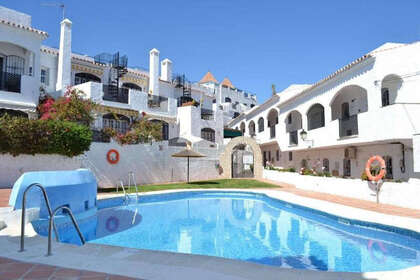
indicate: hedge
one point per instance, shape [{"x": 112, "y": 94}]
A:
[{"x": 24, "y": 136}]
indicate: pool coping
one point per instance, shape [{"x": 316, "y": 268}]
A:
[{"x": 149, "y": 264}]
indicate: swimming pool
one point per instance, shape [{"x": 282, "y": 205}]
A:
[{"x": 249, "y": 227}]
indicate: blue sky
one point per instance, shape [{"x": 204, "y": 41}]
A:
[{"x": 254, "y": 43}]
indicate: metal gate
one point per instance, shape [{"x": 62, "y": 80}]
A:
[{"x": 242, "y": 164}]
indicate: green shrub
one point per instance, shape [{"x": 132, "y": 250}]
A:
[{"x": 24, "y": 136}]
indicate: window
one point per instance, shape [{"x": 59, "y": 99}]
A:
[
  {"x": 208, "y": 134},
  {"x": 345, "y": 111},
  {"x": 293, "y": 138},
  {"x": 81, "y": 78},
  {"x": 316, "y": 117},
  {"x": 264, "y": 158},
  {"x": 346, "y": 167},
  {"x": 15, "y": 65},
  {"x": 269, "y": 156},
  {"x": 260, "y": 125},
  {"x": 45, "y": 76},
  {"x": 289, "y": 119},
  {"x": 388, "y": 163},
  {"x": 227, "y": 99},
  {"x": 290, "y": 156},
  {"x": 120, "y": 123},
  {"x": 278, "y": 155},
  {"x": 326, "y": 165},
  {"x": 385, "y": 97}
]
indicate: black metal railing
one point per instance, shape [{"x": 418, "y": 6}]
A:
[
  {"x": 293, "y": 138},
  {"x": 349, "y": 126},
  {"x": 157, "y": 102},
  {"x": 207, "y": 114},
  {"x": 100, "y": 136},
  {"x": 10, "y": 81},
  {"x": 115, "y": 94},
  {"x": 273, "y": 131}
]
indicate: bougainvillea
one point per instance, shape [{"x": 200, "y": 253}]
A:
[
  {"x": 140, "y": 131},
  {"x": 71, "y": 107}
]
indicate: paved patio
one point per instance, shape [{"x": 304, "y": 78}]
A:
[{"x": 15, "y": 270}]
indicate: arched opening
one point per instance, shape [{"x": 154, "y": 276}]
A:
[
  {"x": 316, "y": 118},
  {"x": 81, "y": 78},
  {"x": 242, "y": 161},
  {"x": 119, "y": 123},
  {"x": 131, "y": 86},
  {"x": 251, "y": 128},
  {"x": 390, "y": 86},
  {"x": 12, "y": 67},
  {"x": 165, "y": 128},
  {"x": 261, "y": 124},
  {"x": 293, "y": 123},
  {"x": 208, "y": 134},
  {"x": 346, "y": 105},
  {"x": 243, "y": 128},
  {"x": 272, "y": 120},
  {"x": 227, "y": 99}
]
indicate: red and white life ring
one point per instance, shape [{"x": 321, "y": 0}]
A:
[
  {"x": 113, "y": 156},
  {"x": 382, "y": 165},
  {"x": 112, "y": 224}
]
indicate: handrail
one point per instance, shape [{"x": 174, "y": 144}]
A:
[
  {"x": 22, "y": 229},
  {"x": 126, "y": 198},
  {"x": 52, "y": 224},
  {"x": 131, "y": 176}
]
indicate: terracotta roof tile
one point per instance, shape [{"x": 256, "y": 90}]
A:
[
  {"x": 227, "y": 82},
  {"x": 208, "y": 78},
  {"x": 17, "y": 25}
]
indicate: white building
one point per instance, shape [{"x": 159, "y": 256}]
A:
[
  {"x": 370, "y": 106},
  {"x": 124, "y": 93}
]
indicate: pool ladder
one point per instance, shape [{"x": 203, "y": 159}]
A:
[
  {"x": 51, "y": 219},
  {"x": 131, "y": 179}
]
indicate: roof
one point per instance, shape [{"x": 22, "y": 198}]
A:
[
  {"x": 28, "y": 28},
  {"x": 208, "y": 78},
  {"x": 227, "y": 82}
]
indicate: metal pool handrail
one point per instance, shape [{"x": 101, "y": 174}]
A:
[
  {"x": 131, "y": 176},
  {"x": 126, "y": 198},
  {"x": 52, "y": 224},
  {"x": 22, "y": 226}
]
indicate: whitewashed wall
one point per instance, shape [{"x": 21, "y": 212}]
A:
[
  {"x": 398, "y": 194},
  {"x": 151, "y": 164}
]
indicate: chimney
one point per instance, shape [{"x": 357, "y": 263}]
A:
[
  {"x": 166, "y": 70},
  {"x": 154, "y": 72},
  {"x": 64, "y": 56}
]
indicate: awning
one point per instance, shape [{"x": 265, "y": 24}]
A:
[
  {"x": 231, "y": 133},
  {"x": 19, "y": 106}
]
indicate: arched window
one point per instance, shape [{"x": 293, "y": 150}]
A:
[
  {"x": 208, "y": 134},
  {"x": 251, "y": 128},
  {"x": 252, "y": 105},
  {"x": 227, "y": 99},
  {"x": 389, "y": 89},
  {"x": 261, "y": 124},
  {"x": 326, "y": 165},
  {"x": 119, "y": 123},
  {"x": 81, "y": 78},
  {"x": 316, "y": 117},
  {"x": 132, "y": 86},
  {"x": 243, "y": 128}
]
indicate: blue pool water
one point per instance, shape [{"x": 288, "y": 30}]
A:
[{"x": 249, "y": 227}]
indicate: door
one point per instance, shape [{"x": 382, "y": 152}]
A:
[
  {"x": 345, "y": 111},
  {"x": 242, "y": 164}
]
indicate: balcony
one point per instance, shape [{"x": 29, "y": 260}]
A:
[
  {"x": 157, "y": 103},
  {"x": 207, "y": 114},
  {"x": 115, "y": 94},
  {"x": 348, "y": 126},
  {"x": 10, "y": 82}
]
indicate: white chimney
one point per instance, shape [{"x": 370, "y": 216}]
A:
[
  {"x": 154, "y": 72},
  {"x": 166, "y": 70},
  {"x": 64, "y": 56}
]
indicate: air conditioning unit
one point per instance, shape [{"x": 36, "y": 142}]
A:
[{"x": 350, "y": 152}]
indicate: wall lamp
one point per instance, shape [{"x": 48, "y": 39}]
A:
[{"x": 304, "y": 137}]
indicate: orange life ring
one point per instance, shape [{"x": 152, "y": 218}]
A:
[
  {"x": 381, "y": 173},
  {"x": 112, "y": 156}
]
